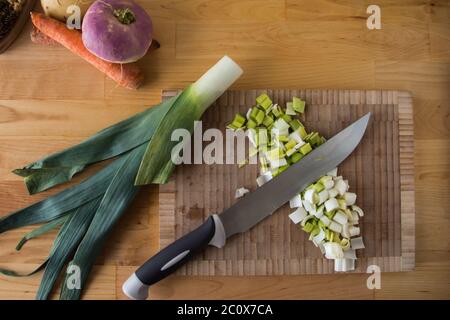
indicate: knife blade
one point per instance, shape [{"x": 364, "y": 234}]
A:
[{"x": 249, "y": 211}]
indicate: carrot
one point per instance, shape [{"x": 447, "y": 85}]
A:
[{"x": 127, "y": 75}]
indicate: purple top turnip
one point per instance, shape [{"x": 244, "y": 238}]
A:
[{"x": 118, "y": 31}]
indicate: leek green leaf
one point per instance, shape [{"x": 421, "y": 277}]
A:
[
  {"x": 110, "y": 142},
  {"x": 65, "y": 244},
  {"x": 12, "y": 273},
  {"x": 118, "y": 196},
  {"x": 55, "y": 206},
  {"x": 41, "y": 230}
]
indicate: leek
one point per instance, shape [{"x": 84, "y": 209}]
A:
[{"x": 88, "y": 211}]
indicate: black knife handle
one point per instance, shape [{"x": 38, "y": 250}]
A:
[{"x": 174, "y": 256}]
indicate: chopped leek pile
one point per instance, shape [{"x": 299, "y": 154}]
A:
[
  {"x": 276, "y": 135},
  {"x": 325, "y": 210},
  {"x": 328, "y": 213}
]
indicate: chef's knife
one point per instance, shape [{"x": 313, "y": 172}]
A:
[{"x": 247, "y": 212}]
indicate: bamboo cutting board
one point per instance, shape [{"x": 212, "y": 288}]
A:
[{"x": 380, "y": 171}]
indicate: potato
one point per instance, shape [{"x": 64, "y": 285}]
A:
[{"x": 58, "y": 8}]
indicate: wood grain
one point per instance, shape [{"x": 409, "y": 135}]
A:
[{"x": 53, "y": 100}]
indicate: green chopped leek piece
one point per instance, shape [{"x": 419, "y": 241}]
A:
[
  {"x": 251, "y": 124},
  {"x": 238, "y": 122},
  {"x": 305, "y": 149},
  {"x": 276, "y": 111},
  {"x": 324, "y": 179},
  {"x": 315, "y": 231},
  {"x": 308, "y": 227},
  {"x": 268, "y": 121},
  {"x": 321, "y": 224},
  {"x": 330, "y": 214},
  {"x": 261, "y": 98},
  {"x": 282, "y": 168},
  {"x": 266, "y": 104},
  {"x": 298, "y": 105},
  {"x": 287, "y": 118},
  {"x": 259, "y": 117},
  {"x": 336, "y": 237},
  {"x": 318, "y": 187},
  {"x": 262, "y": 137},
  {"x": 296, "y": 157},
  {"x": 302, "y": 132},
  {"x": 295, "y": 124},
  {"x": 342, "y": 204},
  {"x": 283, "y": 138},
  {"x": 290, "y": 144},
  {"x": 253, "y": 112}
]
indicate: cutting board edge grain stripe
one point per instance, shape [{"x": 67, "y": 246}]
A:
[{"x": 402, "y": 116}]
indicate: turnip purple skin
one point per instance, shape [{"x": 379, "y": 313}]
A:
[{"x": 114, "y": 38}]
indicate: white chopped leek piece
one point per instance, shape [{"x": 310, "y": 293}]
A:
[
  {"x": 290, "y": 152},
  {"x": 332, "y": 193},
  {"x": 325, "y": 220},
  {"x": 276, "y": 163},
  {"x": 354, "y": 231},
  {"x": 267, "y": 176},
  {"x": 340, "y": 217},
  {"x": 311, "y": 196},
  {"x": 323, "y": 196},
  {"x": 322, "y": 249},
  {"x": 297, "y": 137},
  {"x": 319, "y": 237},
  {"x": 331, "y": 204},
  {"x": 298, "y": 215},
  {"x": 344, "y": 265},
  {"x": 333, "y": 172},
  {"x": 241, "y": 192},
  {"x": 341, "y": 186},
  {"x": 249, "y": 111},
  {"x": 333, "y": 250},
  {"x": 357, "y": 243},
  {"x": 309, "y": 206},
  {"x": 319, "y": 212},
  {"x": 358, "y": 210},
  {"x": 289, "y": 109},
  {"x": 350, "y": 254},
  {"x": 350, "y": 198},
  {"x": 355, "y": 217},
  {"x": 281, "y": 125},
  {"x": 336, "y": 227},
  {"x": 345, "y": 231},
  {"x": 296, "y": 202},
  {"x": 328, "y": 184}
]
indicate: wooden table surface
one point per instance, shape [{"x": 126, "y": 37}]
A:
[{"x": 50, "y": 99}]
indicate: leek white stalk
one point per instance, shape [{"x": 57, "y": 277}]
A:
[{"x": 156, "y": 165}]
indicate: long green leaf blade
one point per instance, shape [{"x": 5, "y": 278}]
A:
[
  {"x": 12, "y": 273},
  {"x": 118, "y": 196},
  {"x": 65, "y": 243},
  {"x": 110, "y": 142},
  {"x": 41, "y": 230},
  {"x": 71, "y": 198}
]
